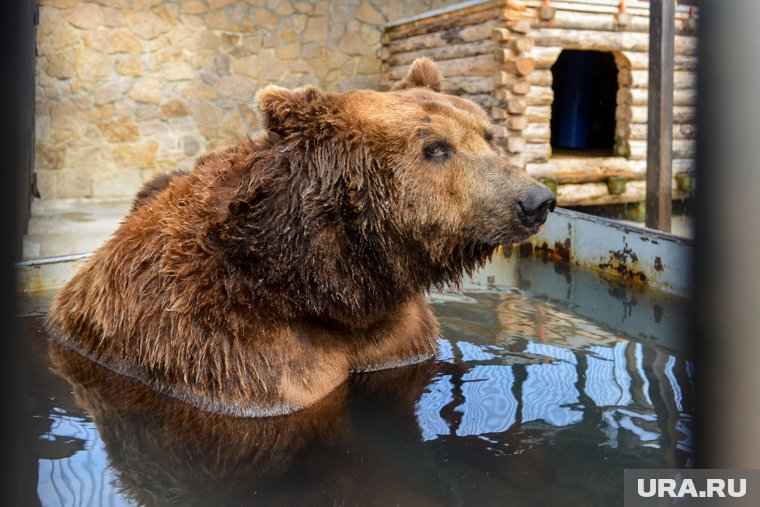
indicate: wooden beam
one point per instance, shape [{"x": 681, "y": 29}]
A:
[{"x": 660, "y": 114}]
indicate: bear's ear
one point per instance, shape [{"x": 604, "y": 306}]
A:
[
  {"x": 422, "y": 74},
  {"x": 284, "y": 110}
]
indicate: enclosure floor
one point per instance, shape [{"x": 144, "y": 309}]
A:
[{"x": 71, "y": 226}]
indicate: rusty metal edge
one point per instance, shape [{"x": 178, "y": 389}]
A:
[{"x": 637, "y": 255}]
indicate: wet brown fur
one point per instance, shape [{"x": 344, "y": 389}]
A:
[{"x": 256, "y": 283}]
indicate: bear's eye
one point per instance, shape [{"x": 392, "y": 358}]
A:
[
  {"x": 437, "y": 151},
  {"x": 489, "y": 136}
]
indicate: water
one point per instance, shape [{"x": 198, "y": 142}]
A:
[{"x": 531, "y": 402}]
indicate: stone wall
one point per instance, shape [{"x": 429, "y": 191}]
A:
[{"x": 128, "y": 88}]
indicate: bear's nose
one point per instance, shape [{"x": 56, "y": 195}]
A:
[{"x": 535, "y": 205}]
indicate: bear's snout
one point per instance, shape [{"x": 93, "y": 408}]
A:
[{"x": 534, "y": 207}]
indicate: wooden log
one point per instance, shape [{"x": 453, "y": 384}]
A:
[
  {"x": 519, "y": 26},
  {"x": 597, "y": 21},
  {"x": 453, "y": 51},
  {"x": 682, "y": 79},
  {"x": 545, "y": 57},
  {"x": 537, "y": 132},
  {"x": 538, "y": 113},
  {"x": 521, "y": 88},
  {"x": 605, "y": 41},
  {"x": 609, "y": 7},
  {"x": 640, "y": 61},
  {"x": 470, "y": 33},
  {"x": 515, "y": 144},
  {"x": 449, "y": 21},
  {"x": 638, "y": 131},
  {"x": 520, "y": 66},
  {"x": 680, "y": 165},
  {"x": 482, "y": 65},
  {"x": 522, "y": 44},
  {"x": 517, "y": 105},
  {"x": 682, "y": 148},
  {"x": 681, "y": 114},
  {"x": 500, "y": 132},
  {"x": 517, "y": 122},
  {"x": 541, "y": 78},
  {"x": 536, "y": 78},
  {"x": 537, "y": 152},
  {"x": 546, "y": 13},
  {"x": 541, "y": 96},
  {"x": 596, "y": 194},
  {"x": 586, "y": 170},
  {"x": 502, "y": 95},
  {"x": 501, "y": 34},
  {"x": 640, "y": 96},
  {"x": 498, "y": 113}
]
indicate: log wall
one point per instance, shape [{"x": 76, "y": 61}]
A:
[{"x": 500, "y": 54}]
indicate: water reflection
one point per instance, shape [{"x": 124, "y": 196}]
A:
[
  {"x": 528, "y": 403},
  {"x": 546, "y": 366}
]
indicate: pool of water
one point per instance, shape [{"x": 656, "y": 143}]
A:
[{"x": 549, "y": 383}]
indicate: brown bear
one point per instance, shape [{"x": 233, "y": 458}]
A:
[{"x": 254, "y": 284}]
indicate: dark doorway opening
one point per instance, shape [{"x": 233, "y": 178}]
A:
[{"x": 585, "y": 85}]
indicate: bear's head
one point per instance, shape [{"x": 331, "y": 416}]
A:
[{"x": 407, "y": 181}]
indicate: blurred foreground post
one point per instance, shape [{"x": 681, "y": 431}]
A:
[
  {"x": 727, "y": 267},
  {"x": 662, "y": 19}
]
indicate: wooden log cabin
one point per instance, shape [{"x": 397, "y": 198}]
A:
[{"x": 566, "y": 83}]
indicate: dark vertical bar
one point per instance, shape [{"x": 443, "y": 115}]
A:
[
  {"x": 17, "y": 55},
  {"x": 727, "y": 284},
  {"x": 660, "y": 114}
]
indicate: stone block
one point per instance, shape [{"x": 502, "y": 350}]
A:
[
  {"x": 59, "y": 4},
  {"x": 145, "y": 4},
  {"x": 116, "y": 4},
  {"x": 91, "y": 65},
  {"x": 112, "y": 17},
  {"x": 140, "y": 155},
  {"x": 204, "y": 39},
  {"x": 116, "y": 183},
  {"x": 154, "y": 128},
  {"x": 48, "y": 156},
  {"x": 251, "y": 118},
  {"x": 198, "y": 91},
  {"x": 217, "y": 4},
  {"x": 368, "y": 14},
  {"x": 146, "y": 112},
  {"x": 87, "y": 16},
  {"x": 218, "y": 20},
  {"x": 316, "y": 29},
  {"x": 63, "y": 36},
  {"x": 47, "y": 183},
  {"x": 146, "y": 24},
  {"x": 190, "y": 145},
  {"x": 237, "y": 87},
  {"x": 207, "y": 113},
  {"x": 130, "y": 66},
  {"x": 120, "y": 130},
  {"x": 73, "y": 183},
  {"x": 61, "y": 65},
  {"x": 148, "y": 90},
  {"x": 288, "y": 52},
  {"x": 193, "y": 7},
  {"x": 121, "y": 41},
  {"x": 353, "y": 44},
  {"x": 173, "y": 109}
]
